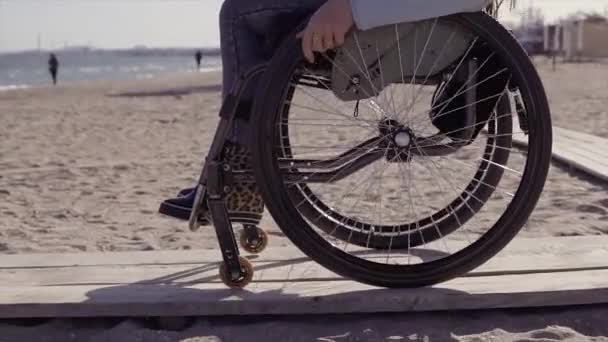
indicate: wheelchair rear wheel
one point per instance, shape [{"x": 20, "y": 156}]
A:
[{"x": 391, "y": 161}]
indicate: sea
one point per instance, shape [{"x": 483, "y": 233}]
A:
[{"x": 30, "y": 68}]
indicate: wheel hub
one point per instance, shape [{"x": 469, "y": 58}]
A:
[
  {"x": 402, "y": 139},
  {"x": 398, "y": 140}
]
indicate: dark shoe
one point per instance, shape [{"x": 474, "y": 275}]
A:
[
  {"x": 244, "y": 202},
  {"x": 179, "y": 207},
  {"x": 185, "y": 192}
]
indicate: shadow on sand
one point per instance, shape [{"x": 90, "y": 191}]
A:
[{"x": 183, "y": 91}]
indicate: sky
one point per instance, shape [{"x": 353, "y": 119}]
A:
[{"x": 154, "y": 23}]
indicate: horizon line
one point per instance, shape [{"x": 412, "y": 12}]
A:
[{"x": 94, "y": 48}]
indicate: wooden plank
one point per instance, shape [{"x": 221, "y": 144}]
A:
[
  {"x": 162, "y": 257},
  {"x": 513, "y": 291},
  {"x": 580, "y": 159},
  {"x": 583, "y": 151},
  {"x": 530, "y": 272},
  {"x": 289, "y": 265},
  {"x": 518, "y": 247},
  {"x": 592, "y": 152},
  {"x": 289, "y": 270},
  {"x": 581, "y": 138}
]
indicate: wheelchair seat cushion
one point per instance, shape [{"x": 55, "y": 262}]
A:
[{"x": 370, "y": 60}]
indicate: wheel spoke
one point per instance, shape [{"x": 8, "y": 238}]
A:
[
  {"x": 380, "y": 112},
  {"x": 426, "y": 79},
  {"x": 432, "y": 190}
]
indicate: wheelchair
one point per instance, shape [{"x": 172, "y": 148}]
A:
[{"x": 408, "y": 156}]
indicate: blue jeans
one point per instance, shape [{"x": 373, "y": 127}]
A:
[{"x": 250, "y": 31}]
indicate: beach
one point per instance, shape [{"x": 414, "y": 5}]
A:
[
  {"x": 544, "y": 325},
  {"x": 84, "y": 166},
  {"x": 84, "y": 170}
]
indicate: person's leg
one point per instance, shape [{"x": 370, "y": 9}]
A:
[
  {"x": 54, "y": 75},
  {"x": 250, "y": 31}
]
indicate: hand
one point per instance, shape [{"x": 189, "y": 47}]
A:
[{"x": 327, "y": 28}]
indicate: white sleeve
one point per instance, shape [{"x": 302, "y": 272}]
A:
[{"x": 372, "y": 13}]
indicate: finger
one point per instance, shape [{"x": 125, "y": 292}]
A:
[
  {"x": 328, "y": 39},
  {"x": 317, "y": 42},
  {"x": 307, "y": 46},
  {"x": 339, "y": 38}
]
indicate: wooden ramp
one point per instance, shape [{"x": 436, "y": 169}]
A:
[
  {"x": 582, "y": 151},
  {"x": 586, "y": 152},
  {"x": 529, "y": 273}
]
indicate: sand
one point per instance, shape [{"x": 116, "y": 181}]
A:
[
  {"x": 578, "y": 94},
  {"x": 547, "y": 325},
  {"x": 81, "y": 171}
]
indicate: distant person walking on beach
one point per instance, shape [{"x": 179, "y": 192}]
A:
[
  {"x": 199, "y": 57},
  {"x": 53, "y": 67}
]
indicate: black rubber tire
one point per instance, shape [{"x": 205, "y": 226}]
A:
[{"x": 268, "y": 106}]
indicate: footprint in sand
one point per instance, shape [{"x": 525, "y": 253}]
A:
[
  {"x": 169, "y": 238},
  {"x": 551, "y": 333},
  {"x": 9, "y": 213},
  {"x": 559, "y": 203},
  {"x": 600, "y": 230},
  {"x": 81, "y": 248},
  {"x": 591, "y": 209}
]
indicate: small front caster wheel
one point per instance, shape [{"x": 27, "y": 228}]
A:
[
  {"x": 242, "y": 280},
  {"x": 253, "y": 240}
]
